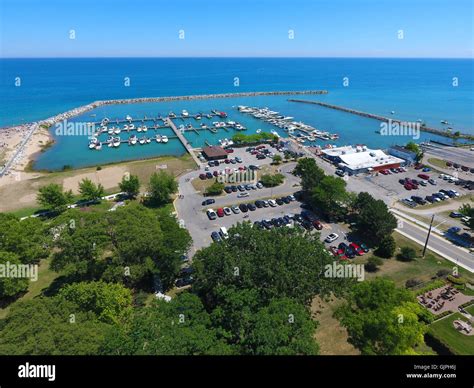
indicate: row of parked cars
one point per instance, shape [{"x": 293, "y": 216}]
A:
[
  {"x": 245, "y": 207},
  {"x": 413, "y": 184},
  {"x": 442, "y": 195},
  {"x": 260, "y": 152},
  {"x": 389, "y": 171},
  {"x": 344, "y": 251},
  {"x": 306, "y": 219},
  {"x": 459, "y": 166}
]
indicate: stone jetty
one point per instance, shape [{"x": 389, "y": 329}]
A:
[{"x": 423, "y": 128}]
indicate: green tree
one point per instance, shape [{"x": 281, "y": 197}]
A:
[
  {"x": 215, "y": 189},
  {"x": 412, "y": 146},
  {"x": 309, "y": 172},
  {"x": 179, "y": 327},
  {"x": 277, "y": 263},
  {"x": 386, "y": 247},
  {"x": 26, "y": 239},
  {"x": 161, "y": 187},
  {"x": 468, "y": 211},
  {"x": 331, "y": 198},
  {"x": 109, "y": 302},
  {"x": 373, "y": 219},
  {"x": 277, "y": 159},
  {"x": 11, "y": 286},
  {"x": 90, "y": 191},
  {"x": 382, "y": 319},
  {"x": 130, "y": 185},
  {"x": 272, "y": 180},
  {"x": 283, "y": 328},
  {"x": 44, "y": 326},
  {"x": 54, "y": 198}
]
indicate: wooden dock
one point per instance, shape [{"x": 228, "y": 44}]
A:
[{"x": 183, "y": 140}]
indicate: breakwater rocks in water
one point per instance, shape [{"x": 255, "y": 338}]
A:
[{"x": 423, "y": 128}]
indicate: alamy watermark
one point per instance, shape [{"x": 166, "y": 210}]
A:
[
  {"x": 344, "y": 271},
  {"x": 76, "y": 128},
  {"x": 19, "y": 271},
  {"x": 248, "y": 176},
  {"x": 400, "y": 128}
]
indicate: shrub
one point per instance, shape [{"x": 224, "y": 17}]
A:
[
  {"x": 407, "y": 254},
  {"x": 272, "y": 180},
  {"x": 411, "y": 283},
  {"x": 442, "y": 273},
  {"x": 457, "y": 280},
  {"x": 373, "y": 264},
  {"x": 215, "y": 189}
]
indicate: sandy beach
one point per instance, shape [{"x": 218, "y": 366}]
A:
[{"x": 11, "y": 140}]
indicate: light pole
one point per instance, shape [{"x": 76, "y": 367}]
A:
[{"x": 428, "y": 236}]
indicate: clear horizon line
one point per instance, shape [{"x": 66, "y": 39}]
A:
[{"x": 230, "y": 57}]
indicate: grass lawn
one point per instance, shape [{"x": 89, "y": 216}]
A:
[
  {"x": 422, "y": 269},
  {"x": 330, "y": 335},
  {"x": 445, "y": 332},
  {"x": 45, "y": 277},
  {"x": 437, "y": 162}
]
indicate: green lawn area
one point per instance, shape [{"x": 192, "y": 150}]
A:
[
  {"x": 444, "y": 331},
  {"x": 45, "y": 277},
  {"x": 437, "y": 162},
  {"x": 422, "y": 269}
]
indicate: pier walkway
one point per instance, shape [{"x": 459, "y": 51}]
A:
[
  {"x": 436, "y": 131},
  {"x": 183, "y": 140}
]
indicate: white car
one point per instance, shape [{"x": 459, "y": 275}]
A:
[
  {"x": 211, "y": 214},
  {"x": 456, "y": 194},
  {"x": 332, "y": 237},
  {"x": 227, "y": 211},
  {"x": 272, "y": 203},
  {"x": 235, "y": 209},
  {"x": 242, "y": 195},
  {"x": 465, "y": 219}
]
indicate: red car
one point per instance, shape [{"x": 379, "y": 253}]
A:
[
  {"x": 384, "y": 172},
  {"x": 220, "y": 212},
  {"x": 317, "y": 225},
  {"x": 341, "y": 254},
  {"x": 408, "y": 186},
  {"x": 357, "y": 248},
  {"x": 260, "y": 147},
  {"x": 424, "y": 176},
  {"x": 229, "y": 150}
]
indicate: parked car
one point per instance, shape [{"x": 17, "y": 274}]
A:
[
  {"x": 358, "y": 250},
  {"x": 243, "y": 208},
  {"x": 317, "y": 225},
  {"x": 211, "y": 214},
  {"x": 242, "y": 195},
  {"x": 220, "y": 212},
  {"x": 215, "y": 236},
  {"x": 265, "y": 203},
  {"x": 272, "y": 203},
  {"x": 228, "y": 189},
  {"x": 432, "y": 181},
  {"x": 208, "y": 201},
  {"x": 209, "y": 175},
  {"x": 454, "y": 229},
  {"x": 227, "y": 211},
  {"x": 279, "y": 201},
  {"x": 251, "y": 207},
  {"x": 202, "y": 176},
  {"x": 424, "y": 176},
  {"x": 235, "y": 209},
  {"x": 332, "y": 237}
]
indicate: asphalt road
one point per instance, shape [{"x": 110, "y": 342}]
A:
[{"x": 437, "y": 244}]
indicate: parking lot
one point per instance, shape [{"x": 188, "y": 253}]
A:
[{"x": 192, "y": 212}]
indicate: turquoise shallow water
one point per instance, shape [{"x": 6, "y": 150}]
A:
[
  {"x": 413, "y": 88},
  {"x": 73, "y": 150}
]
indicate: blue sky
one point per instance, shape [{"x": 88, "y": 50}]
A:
[{"x": 322, "y": 28}]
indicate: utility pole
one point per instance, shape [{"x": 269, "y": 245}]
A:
[{"x": 428, "y": 236}]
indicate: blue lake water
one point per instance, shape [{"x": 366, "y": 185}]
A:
[{"x": 413, "y": 88}]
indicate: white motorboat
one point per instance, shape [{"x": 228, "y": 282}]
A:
[
  {"x": 110, "y": 131},
  {"x": 125, "y": 127},
  {"x": 92, "y": 143},
  {"x": 144, "y": 128},
  {"x": 148, "y": 140},
  {"x": 164, "y": 139},
  {"x": 142, "y": 140},
  {"x": 131, "y": 127},
  {"x": 172, "y": 115},
  {"x": 98, "y": 146},
  {"x": 139, "y": 129},
  {"x": 185, "y": 113},
  {"x": 117, "y": 131},
  {"x": 128, "y": 118},
  {"x": 132, "y": 140},
  {"x": 158, "y": 138},
  {"x": 258, "y": 130},
  {"x": 117, "y": 141}
]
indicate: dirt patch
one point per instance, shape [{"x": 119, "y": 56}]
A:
[{"x": 109, "y": 177}]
